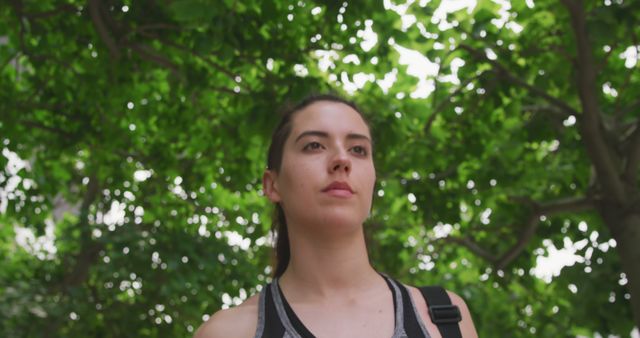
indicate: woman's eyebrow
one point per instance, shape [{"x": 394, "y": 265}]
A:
[
  {"x": 324, "y": 134},
  {"x": 318, "y": 133},
  {"x": 354, "y": 136}
]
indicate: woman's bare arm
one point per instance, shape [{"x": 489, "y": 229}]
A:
[
  {"x": 237, "y": 322},
  {"x": 466, "y": 324},
  {"x": 467, "y": 328}
]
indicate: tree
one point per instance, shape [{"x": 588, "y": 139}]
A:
[
  {"x": 143, "y": 131},
  {"x": 529, "y": 97}
]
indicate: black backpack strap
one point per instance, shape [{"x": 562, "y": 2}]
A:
[{"x": 444, "y": 314}]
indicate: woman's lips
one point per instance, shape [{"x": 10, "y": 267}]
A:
[
  {"x": 339, "y": 193},
  {"x": 338, "y": 189}
]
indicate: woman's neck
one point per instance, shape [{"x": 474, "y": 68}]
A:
[{"x": 323, "y": 267}]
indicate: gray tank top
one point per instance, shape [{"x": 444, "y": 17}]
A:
[{"x": 276, "y": 318}]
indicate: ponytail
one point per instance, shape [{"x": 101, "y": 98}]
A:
[{"x": 282, "y": 249}]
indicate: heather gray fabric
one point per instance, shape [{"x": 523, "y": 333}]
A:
[
  {"x": 261, "y": 314},
  {"x": 290, "y": 332},
  {"x": 282, "y": 314},
  {"x": 399, "y": 331},
  {"x": 420, "y": 321}
]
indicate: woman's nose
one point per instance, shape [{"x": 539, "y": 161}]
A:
[{"x": 340, "y": 162}]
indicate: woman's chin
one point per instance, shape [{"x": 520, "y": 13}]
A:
[
  {"x": 331, "y": 221},
  {"x": 338, "y": 221}
]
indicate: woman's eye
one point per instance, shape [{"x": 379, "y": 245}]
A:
[
  {"x": 312, "y": 146},
  {"x": 360, "y": 150}
]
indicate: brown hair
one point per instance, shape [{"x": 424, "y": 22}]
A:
[{"x": 274, "y": 161}]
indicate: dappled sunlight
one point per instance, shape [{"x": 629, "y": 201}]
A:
[
  {"x": 134, "y": 139},
  {"x": 631, "y": 55},
  {"x": 368, "y": 36},
  {"x": 11, "y": 179},
  {"x": 549, "y": 266},
  {"x": 551, "y": 260},
  {"x": 43, "y": 247}
]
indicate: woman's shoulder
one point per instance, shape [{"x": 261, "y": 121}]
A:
[
  {"x": 455, "y": 299},
  {"x": 237, "y": 322},
  {"x": 466, "y": 324}
]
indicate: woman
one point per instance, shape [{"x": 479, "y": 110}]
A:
[{"x": 321, "y": 177}]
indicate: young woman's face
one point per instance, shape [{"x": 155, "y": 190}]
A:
[{"x": 327, "y": 173}]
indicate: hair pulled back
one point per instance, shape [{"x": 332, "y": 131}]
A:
[{"x": 274, "y": 162}]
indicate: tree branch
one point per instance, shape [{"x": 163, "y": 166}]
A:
[
  {"x": 223, "y": 90},
  {"x": 206, "y": 60},
  {"x": 618, "y": 103},
  {"x": 557, "y": 117},
  {"x": 88, "y": 249},
  {"x": 565, "y": 205},
  {"x": 42, "y": 15},
  {"x": 508, "y": 75},
  {"x": 17, "y": 7},
  {"x": 150, "y": 55},
  {"x": 474, "y": 247},
  {"x": 619, "y": 113},
  {"x": 531, "y": 225},
  {"x": 38, "y": 125},
  {"x": 144, "y": 29},
  {"x": 633, "y": 158},
  {"x": 546, "y": 109},
  {"x": 622, "y": 112},
  {"x": 434, "y": 97},
  {"x": 554, "y": 48},
  {"x": 10, "y": 59},
  {"x": 607, "y": 55},
  {"x": 101, "y": 28},
  {"x": 599, "y": 152}
]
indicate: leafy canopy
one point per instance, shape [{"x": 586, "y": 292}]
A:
[{"x": 134, "y": 136}]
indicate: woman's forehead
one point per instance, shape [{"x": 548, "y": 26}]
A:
[{"x": 331, "y": 117}]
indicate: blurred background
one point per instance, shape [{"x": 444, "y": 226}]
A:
[{"x": 134, "y": 136}]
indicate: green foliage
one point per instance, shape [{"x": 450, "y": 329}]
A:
[{"x": 144, "y": 130}]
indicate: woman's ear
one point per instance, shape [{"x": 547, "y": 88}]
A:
[{"x": 269, "y": 186}]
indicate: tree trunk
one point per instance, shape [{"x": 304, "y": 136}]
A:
[{"x": 625, "y": 228}]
